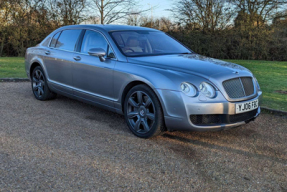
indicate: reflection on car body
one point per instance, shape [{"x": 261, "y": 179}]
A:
[{"x": 154, "y": 80}]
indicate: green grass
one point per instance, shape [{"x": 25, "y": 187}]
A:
[
  {"x": 272, "y": 77},
  {"x": 12, "y": 67}
]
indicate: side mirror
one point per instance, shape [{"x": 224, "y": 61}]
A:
[{"x": 98, "y": 52}]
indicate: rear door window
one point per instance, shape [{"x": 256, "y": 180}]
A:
[{"x": 68, "y": 39}]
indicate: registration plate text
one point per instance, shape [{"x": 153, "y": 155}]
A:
[{"x": 247, "y": 106}]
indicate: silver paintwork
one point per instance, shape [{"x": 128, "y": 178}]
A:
[
  {"x": 86, "y": 78},
  {"x": 98, "y": 52}
]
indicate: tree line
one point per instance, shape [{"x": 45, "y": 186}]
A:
[{"x": 225, "y": 29}]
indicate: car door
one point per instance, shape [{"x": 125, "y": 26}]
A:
[
  {"x": 92, "y": 78},
  {"x": 59, "y": 59}
]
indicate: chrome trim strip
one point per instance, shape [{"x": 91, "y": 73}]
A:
[
  {"x": 81, "y": 91},
  {"x": 220, "y": 126},
  {"x": 242, "y": 86}
]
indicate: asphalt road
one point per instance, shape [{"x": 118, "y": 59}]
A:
[{"x": 68, "y": 145}]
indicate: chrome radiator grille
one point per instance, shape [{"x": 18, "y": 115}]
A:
[{"x": 239, "y": 87}]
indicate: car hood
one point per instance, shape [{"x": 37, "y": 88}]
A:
[{"x": 194, "y": 64}]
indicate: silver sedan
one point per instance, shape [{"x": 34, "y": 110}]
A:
[{"x": 157, "y": 83}]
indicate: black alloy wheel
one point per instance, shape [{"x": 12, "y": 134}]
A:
[
  {"x": 40, "y": 88},
  {"x": 143, "y": 112}
]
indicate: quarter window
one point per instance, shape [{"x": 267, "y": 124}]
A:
[
  {"x": 68, "y": 39},
  {"x": 54, "y": 40},
  {"x": 93, "y": 39}
]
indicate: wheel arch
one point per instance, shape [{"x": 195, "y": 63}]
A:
[
  {"x": 37, "y": 61},
  {"x": 33, "y": 66},
  {"x": 135, "y": 83}
]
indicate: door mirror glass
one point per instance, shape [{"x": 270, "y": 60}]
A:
[{"x": 98, "y": 52}]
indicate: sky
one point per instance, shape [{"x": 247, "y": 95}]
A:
[{"x": 158, "y": 7}]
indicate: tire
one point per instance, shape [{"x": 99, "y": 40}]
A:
[
  {"x": 39, "y": 85},
  {"x": 143, "y": 112}
]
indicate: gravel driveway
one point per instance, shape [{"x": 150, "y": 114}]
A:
[{"x": 68, "y": 145}]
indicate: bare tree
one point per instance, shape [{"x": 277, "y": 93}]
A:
[
  {"x": 24, "y": 23},
  {"x": 256, "y": 12},
  {"x": 163, "y": 23},
  {"x": 5, "y": 11},
  {"x": 16, "y": 18},
  {"x": 134, "y": 20},
  {"x": 67, "y": 12},
  {"x": 115, "y": 10},
  {"x": 205, "y": 14}
]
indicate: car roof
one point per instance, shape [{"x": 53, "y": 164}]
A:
[{"x": 109, "y": 27}]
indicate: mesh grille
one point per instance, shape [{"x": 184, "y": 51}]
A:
[
  {"x": 222, "y": 119},
  {"x": 233, "y": 88},
  {"x": 239, "y": 87},
  {"x": 248, "y": 85},
  {"x": 242, "y": 116},
  {"x": 205, "y": 119}
]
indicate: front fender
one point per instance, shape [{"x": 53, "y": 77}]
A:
[{"x": 155, "y": 78}]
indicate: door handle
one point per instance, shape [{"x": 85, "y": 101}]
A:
[
  {"x": 47, "y": 52},
  {"x": 77, "y": 58}
]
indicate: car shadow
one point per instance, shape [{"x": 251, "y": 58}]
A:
[
  {"x": 181, "y": 142},
  {"x": 211, "y": 145}
]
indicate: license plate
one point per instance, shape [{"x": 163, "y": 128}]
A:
[{"x": 247, "y": 106}]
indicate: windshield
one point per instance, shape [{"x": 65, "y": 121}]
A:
[{"x": 147, "y": 43}]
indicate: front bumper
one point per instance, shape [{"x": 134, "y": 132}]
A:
[{"x": 179, "y": 108}]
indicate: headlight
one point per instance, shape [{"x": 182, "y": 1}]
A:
[
  {"x": 207, "y": 89},
  {"x": 256, "y": 83},
  {"x": 188, "y": 89}
]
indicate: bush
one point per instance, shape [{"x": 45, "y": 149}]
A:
[{"x": 257, "y": 43}]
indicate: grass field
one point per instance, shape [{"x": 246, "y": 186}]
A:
[
  {"x": 272, "y": 77},
  {"x": 12, "y": 67}
]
